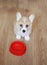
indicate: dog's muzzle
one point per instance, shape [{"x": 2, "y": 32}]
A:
[{"x": 23, "y": 31}]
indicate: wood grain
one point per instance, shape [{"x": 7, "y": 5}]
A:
[{"x": 36, "y": 53}]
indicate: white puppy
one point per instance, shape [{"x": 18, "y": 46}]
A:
[{"x": 23, "y": 26}]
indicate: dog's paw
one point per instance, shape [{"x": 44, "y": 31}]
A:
[
  {"x": 27, "y": 38},
  {"x": 18, "y": 37}
]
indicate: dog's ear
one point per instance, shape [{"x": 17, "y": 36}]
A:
[
  {"x": 18, "y": 16},
  {"x": 31, "y": 18}
]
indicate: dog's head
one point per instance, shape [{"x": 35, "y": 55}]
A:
[{"x": 24, "y": 24}]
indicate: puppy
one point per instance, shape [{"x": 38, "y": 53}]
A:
[{"x": 23, "y": 26}]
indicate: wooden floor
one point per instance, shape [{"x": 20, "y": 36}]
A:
[{"x": 36, "y": 53}]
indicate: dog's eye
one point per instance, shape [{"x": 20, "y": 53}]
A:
[
  {"x": 27, "y": 25},
  {"x": 20, "y": 25}
]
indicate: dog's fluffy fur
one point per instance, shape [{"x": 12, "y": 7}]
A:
[{"x": 23, "y": 26}]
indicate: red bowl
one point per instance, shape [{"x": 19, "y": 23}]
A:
[{"x": 17, "y": 48}]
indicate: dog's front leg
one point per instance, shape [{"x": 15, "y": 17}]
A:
[
  {"x": 18, "y": 37},
  {"x": 27, "y": 38}
]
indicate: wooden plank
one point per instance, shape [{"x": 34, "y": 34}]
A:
[{"x": 37, "y": 47}]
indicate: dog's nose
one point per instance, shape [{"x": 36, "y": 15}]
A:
[{"x": 23, "y": 31}]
